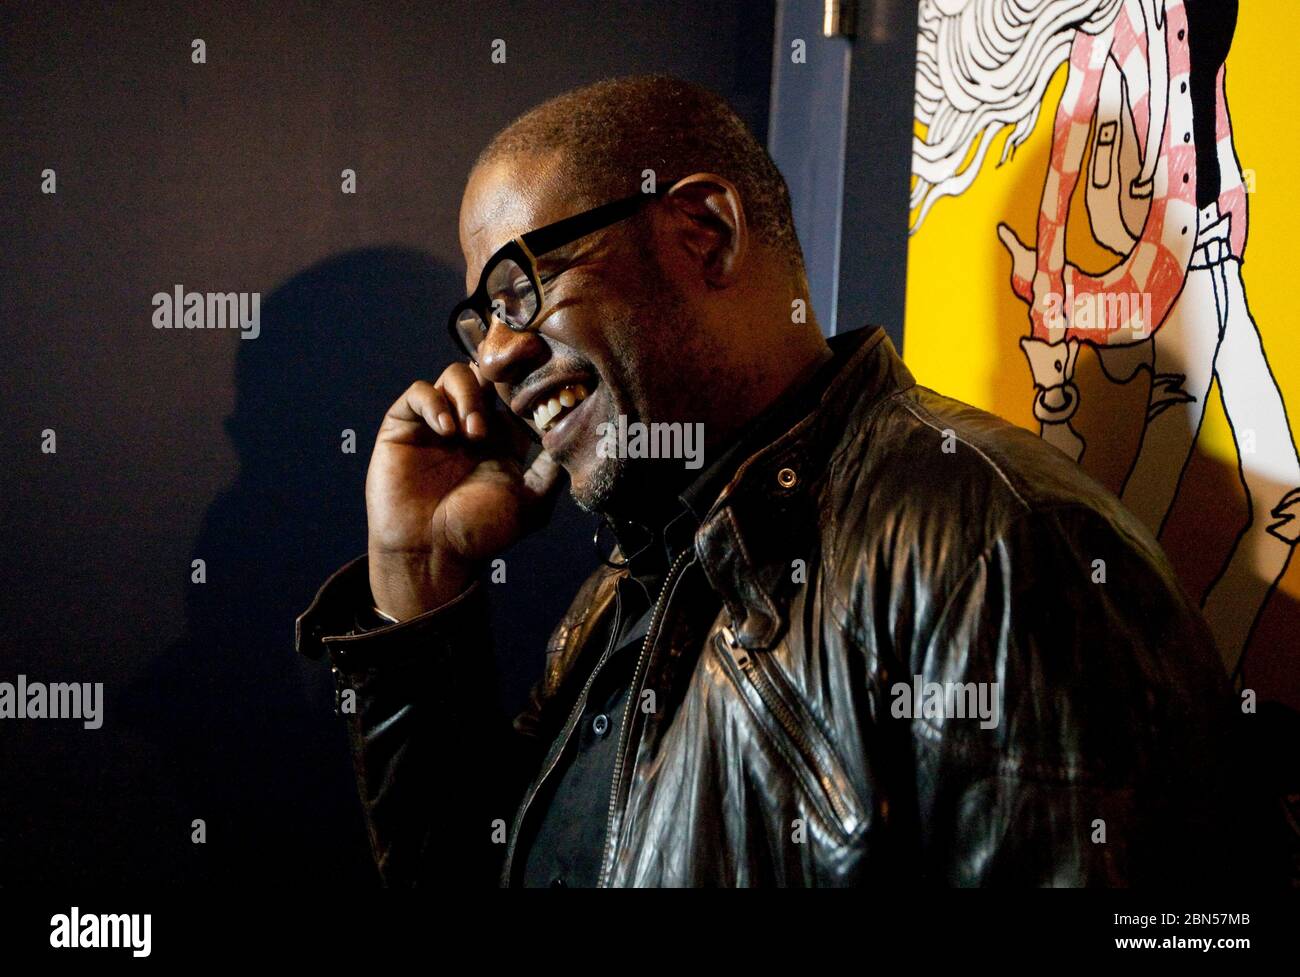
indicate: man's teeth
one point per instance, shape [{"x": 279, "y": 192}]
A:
[{"x": 545, "y": 413}]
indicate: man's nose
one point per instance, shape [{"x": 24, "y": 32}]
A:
[{"x": 506, "y": 356}]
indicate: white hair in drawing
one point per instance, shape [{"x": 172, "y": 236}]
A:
[{"x": 981, "y": 66}]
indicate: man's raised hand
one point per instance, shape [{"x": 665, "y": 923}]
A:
[{"x": 447, "y": 490}]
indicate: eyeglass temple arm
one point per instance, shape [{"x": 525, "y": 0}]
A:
[{"x": 568, "y": 229}]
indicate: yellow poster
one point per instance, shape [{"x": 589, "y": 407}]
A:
[{"x": 1103, "y": 210}]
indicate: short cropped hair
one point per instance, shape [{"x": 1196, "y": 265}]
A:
[{"x": 609, "y": 132}]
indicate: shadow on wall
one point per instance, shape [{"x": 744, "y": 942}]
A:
[{"x": 245, "y": 728}]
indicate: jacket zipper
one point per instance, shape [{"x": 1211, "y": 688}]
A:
[
  {"x": 845, "y": 817},
  {"x": 634, "y": 693},
  {"x": 563, "y": 739}
]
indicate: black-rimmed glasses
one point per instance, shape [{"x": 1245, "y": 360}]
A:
[{"x": 510, "y": 287}]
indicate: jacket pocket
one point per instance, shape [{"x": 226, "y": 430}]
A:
[{"x": 796, "y": 736}]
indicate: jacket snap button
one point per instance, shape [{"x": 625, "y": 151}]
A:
[
  {"x": 787, "y": 478},
  {"x": 600, "y": 725}
]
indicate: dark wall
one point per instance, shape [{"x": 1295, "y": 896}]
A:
[{"x": 174, "y": 445}]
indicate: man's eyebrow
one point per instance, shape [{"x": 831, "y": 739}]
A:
[
  {"x": 568, "y": 253},
  {"x": 561, "y": 256}
]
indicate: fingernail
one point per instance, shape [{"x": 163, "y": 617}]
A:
[
  {"x": 475, "y": 426},
  {"x": 445, "y": 424}
]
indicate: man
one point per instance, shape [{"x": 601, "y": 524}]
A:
[{"x": 878, "y": 636}]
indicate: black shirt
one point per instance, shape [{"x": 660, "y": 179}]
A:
[{"x": 563, "y": 847}]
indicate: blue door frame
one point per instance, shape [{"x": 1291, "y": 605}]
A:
[{"x": 840, "y": 129}]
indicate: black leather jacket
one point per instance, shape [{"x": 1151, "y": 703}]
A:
[{"x": 890, "y": 538}]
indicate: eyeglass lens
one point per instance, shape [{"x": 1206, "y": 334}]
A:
[{"x": 512, "y": 298}]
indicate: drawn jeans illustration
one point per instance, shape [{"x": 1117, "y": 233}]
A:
[{"x": 1211, "y": 334}]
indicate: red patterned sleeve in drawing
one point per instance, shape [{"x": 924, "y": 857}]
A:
[
  {"x": 1152, "y": 274},
  {"x": 1069, "y": 142}
]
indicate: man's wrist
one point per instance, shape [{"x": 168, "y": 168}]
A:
[{"x": 407, "y": 585}]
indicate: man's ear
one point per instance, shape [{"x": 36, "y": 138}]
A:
[{"x": 708, "y": 221}]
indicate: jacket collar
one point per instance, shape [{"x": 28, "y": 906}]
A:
[
  {"x": 673, "y": 528},
  {"x": 767, "y": 516}
]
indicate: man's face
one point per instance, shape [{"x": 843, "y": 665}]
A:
[{"x": 612, "y": 322}]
